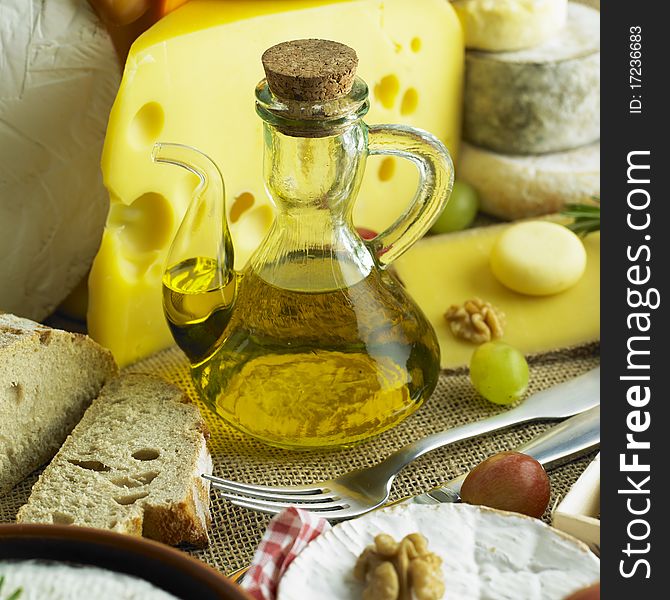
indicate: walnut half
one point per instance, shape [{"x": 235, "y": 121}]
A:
[
  {"x": 476, "y": 321},
  {"x": 403, "y": 570}
]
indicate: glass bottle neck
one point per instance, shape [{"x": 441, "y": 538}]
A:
[
  {"x": 314, "y": 159},
  {"x": 312, "y": 244},
  {"x": 319, "y": 175}
]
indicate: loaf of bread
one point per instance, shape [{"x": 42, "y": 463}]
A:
[
  {"x": 48, "y": 378},
  {"x": 133, "y": 465}
]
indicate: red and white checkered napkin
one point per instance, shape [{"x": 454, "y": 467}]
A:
[{"x": 286, "y": 536}]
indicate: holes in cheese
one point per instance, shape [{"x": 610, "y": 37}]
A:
[
  {"x": 410, "y": 102},
  {"x": 216, "y": 115},
  {"x": 147, "y": 125},
  {"x": 133, "y": 268},
  {"x": 144, "y": 225},
  {"x": 241, "y": 204},
  {"x": 386, "y": 169},
  {"x": 387, "y": 90}
]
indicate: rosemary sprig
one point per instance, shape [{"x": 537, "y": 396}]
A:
[
  {"x": 586, "y": 217},
  {"x": 15, "y": 595}
]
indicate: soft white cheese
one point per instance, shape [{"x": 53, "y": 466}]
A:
[
  {"x": 498, "y": 25},
  {"x": 58, "y": 78},
  {"x": 60, "y": 581},
  {"x": 515, "y": 187},
  {"x": 486, "y": 555}
]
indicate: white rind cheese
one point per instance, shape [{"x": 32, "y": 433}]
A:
[
  {"x": 60, "y": 581},
  {"x": 486, "y": 555},
  {"x": 543, "y": 99},
  {"x": 58, "y": 78},
  {"x": 514, "y": 187},
  {"x": 501, "y": 25}
]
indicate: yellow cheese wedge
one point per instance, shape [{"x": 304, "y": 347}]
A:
[
  {"x": 449, "y": 269},
  {"x": 190, "y": 79}
]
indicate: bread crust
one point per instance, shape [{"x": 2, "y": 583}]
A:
[
  {"x": 48, "y": 378},
  {"x": 133, "y": 465}
]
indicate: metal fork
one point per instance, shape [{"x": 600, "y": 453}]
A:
[{"x": 361, "y": 491}]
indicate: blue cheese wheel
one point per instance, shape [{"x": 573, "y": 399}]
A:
[{"x": 541, "y": 99}]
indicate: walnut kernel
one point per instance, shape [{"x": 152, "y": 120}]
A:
[
  {"x": 476, "y": 321},
  {"x": 383, "y": 584},
  {"x": 400, "y": 570}
]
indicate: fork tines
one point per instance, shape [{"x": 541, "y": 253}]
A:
[{"x": 272, "y": 499}]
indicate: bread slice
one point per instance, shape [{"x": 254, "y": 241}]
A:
[
  {"x": 133, "y": 465},
  {"x": 48, "y": 378}
]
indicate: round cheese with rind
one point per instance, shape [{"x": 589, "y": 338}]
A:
[
  {"x": 514, "y": 187},
  {"x": 538, "y": 258},
  {"x": 500, "y": 25},
  {"x": 486, "y": 555},
  {"x": 542, "y": 99},
  {"x": 58, "y": 78}
]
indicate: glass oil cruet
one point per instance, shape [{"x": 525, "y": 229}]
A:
[{"x": 314, "y": 343}]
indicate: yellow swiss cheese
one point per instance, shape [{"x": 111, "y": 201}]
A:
[
  {"x": 190, "y": 79},
  {"x": 452, "y": 268}
]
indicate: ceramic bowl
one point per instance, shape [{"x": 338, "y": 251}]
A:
[{"x": 164, "y": 567}]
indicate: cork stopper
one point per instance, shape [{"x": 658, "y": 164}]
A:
[{"x": 310, "y": 70}]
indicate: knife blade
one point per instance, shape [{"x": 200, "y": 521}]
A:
[{"x": 561, "y": 443}]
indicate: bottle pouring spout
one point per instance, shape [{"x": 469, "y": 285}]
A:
[{"x": 199, "y": 282}]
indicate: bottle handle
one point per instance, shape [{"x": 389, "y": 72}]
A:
[{"x": 436, "y": 179}]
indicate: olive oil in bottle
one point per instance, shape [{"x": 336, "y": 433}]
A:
[
  {"x": 197, "y": 307},
  {"x": 309, "y": 367},
  {"x": 313, "y": 343}
]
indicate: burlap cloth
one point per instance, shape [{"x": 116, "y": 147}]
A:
[{"x": 236, "y": 532}]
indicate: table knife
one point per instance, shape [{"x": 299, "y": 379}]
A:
[{"x": 561, "y": 443}]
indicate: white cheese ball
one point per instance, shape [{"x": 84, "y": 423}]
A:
[
  {"x": 58, "y": 78},
  {"x": 538, "y": 258},
  {"x": 500, "y": 25}
]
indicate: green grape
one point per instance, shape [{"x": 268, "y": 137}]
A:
[
  {"x": 499, "y": 372},
  {"x": 460, "y": 210}
]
